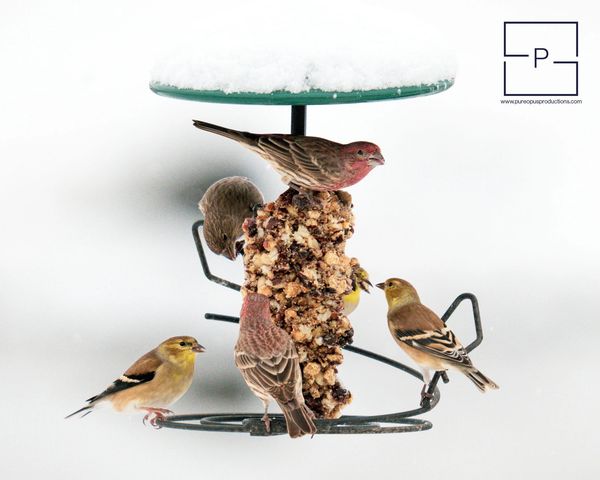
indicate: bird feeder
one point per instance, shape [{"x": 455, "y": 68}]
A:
[
  {"x": 299, "y": 101},
  {"x": 251, "y": 423}
]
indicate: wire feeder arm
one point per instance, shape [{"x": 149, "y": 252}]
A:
[
  {"x": 205, "y": 268},
  {"x": 386, "y": 423}
]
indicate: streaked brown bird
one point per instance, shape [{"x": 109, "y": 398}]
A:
[
  {"x": 155, "y": 381},
  {"x": 307, "y": 163},
  {"x": 267, "y": 359},
  {"x": 425, "y": 337},
  {"x": 225, "y": 205}
]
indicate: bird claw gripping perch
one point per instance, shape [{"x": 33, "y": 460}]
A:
[
  {"x": 154, "y": 416},
  {"x": 152, "y": 419},
  {"x": 425, "y": 396},
  {"x": 267, "y": 421}
]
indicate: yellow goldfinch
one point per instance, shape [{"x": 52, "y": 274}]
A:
[
  {"x": 425, "y": 337},
  {"x": 153, "y": 382},
  {"x": 360, "y": 281}
]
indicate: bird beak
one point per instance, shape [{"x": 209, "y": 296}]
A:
[
  {"x": 381, "y": 285},
  {"x": 230, "y": 251},
  {"x": 376, "y": 159},
  {"x": 198, "y": 348},
  {"x": 365, "y": 284}
]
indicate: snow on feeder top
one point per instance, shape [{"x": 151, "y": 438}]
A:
[{"x": 358, "y": 54}]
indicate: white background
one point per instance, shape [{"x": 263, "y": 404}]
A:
[{"x": 99, "y": 180}]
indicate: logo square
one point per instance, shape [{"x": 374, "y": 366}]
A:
[{"x": 541, "y": 58}]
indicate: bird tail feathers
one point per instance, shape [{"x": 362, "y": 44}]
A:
[
  {"x": 87, "y": 409},
  {"x": 299, "y": 421},
  {"x": 245, "y": 138},
  {"x": 482, "y": 382}
]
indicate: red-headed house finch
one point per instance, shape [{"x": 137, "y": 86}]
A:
[
  {"x": 309, "y": 163},
  {"x": 425, "y": 337},
  {"x": 267, "y": 359},
  {"x": 155, "y": 381},
  {"x": 225, "y": 205}
]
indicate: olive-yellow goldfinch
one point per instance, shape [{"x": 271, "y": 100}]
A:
[
  {"x": 153, "y": 382},
  {"x": 360, "y": 281},
  {"x": 425, "y": 337},
  {"x": 268, "y": 361}
]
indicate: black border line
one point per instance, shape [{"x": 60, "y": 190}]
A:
[{"x": 576, "y": 23}]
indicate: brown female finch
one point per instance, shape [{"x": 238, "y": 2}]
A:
[
  {"x": 268, "y": 362},
  {"x": 225, "y": 205},
  {"x": 425, "y": 337},
  {"x": 309, "y": 163},
  {"x": 155, "y": 381}
]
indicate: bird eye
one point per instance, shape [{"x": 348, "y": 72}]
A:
[
  {"x": 225, "y": 237},
  {"x": 361, "y": 153},
  {"x": 182, "y": 344}
]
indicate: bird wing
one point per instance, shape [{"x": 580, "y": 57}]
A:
[
  {"x": 419, "y": 327},
  {"x": 303, "y": 158},
  {"x": 440, "y": 343},
  {"x": 139, "y": 373},
  {"x": 276, "y": 376}
]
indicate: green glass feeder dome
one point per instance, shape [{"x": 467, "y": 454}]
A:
[{"x": 310, "y": 97}]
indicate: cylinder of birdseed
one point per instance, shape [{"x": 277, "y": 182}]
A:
[{"x": 294, "y": 254}]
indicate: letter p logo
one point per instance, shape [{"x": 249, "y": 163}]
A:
[{"x": 536, "y": 58}]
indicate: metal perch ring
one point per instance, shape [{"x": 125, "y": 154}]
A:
[{"x": 387, "y": 423}]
